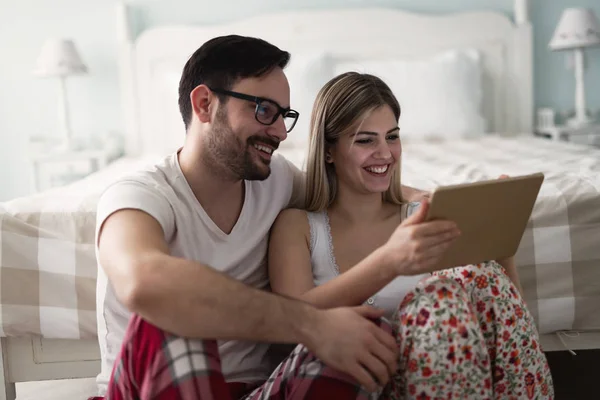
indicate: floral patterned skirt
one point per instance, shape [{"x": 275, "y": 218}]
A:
[{"x": 465, "y": 333}]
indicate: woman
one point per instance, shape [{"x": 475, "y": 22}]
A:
[{"x": 463, "y": 332}]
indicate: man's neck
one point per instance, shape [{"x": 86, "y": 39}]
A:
[{"x": 221, "y": 196}]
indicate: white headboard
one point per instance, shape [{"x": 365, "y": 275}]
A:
[{"x": 151, "y": 64}]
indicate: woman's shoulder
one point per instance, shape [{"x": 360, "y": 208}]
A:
[{"x": 292, "y": 219}]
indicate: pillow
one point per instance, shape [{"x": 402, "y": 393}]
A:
[
  {"x": 307, "y": 73},
  {"x": 439, "y": 97}
]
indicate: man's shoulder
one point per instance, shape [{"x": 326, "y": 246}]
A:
[
  {"x": 156, "y": 175},
  {"x": 281, "y": 177},
  {"x": 292, "y": 215},
  {"x": 281, "y": 164}
]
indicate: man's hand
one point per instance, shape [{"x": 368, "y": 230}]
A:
[
  {"x": 347, "y": 340},
  {"x": 412, "y": 194}
]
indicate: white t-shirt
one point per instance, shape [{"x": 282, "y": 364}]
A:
[{"x": 163, "y": 192}]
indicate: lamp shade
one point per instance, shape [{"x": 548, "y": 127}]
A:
[
  {"x": 59, "y": 57},
  {"x": 578, "y": 27}
]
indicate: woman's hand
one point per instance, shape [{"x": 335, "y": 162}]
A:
[{"x": 416, "y": 246}]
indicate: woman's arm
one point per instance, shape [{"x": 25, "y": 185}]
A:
[{"x": 290, "y": 268}]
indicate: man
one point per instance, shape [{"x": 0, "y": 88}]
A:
[{"x": 182, "y": 250}]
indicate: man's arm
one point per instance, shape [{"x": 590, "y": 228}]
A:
[
  {"x": 181, "y": 296},
  {"x": 192, "y": 300}
]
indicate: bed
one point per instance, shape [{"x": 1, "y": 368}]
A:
[{"x": 465, "y": 84}]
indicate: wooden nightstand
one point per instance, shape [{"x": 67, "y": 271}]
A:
[{"x": 54, "y": 167}]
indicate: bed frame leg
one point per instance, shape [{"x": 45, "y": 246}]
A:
[{"x": 7, "y": 388}]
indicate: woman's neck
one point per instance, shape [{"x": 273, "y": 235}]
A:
[{"x": 357, "y": 208}]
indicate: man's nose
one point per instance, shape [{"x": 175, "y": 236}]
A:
[{"x": 278, "y": 129}]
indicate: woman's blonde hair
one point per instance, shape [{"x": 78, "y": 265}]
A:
[{"x": 340, "y": 105}]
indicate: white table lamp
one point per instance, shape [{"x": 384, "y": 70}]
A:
[
  {"x": 59, "y": 59},
  {"x": 577, "y": 28}
]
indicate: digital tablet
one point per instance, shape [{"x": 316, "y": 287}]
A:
[{"x": 492, "y": 216}]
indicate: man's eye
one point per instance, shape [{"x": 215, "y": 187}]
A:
[
  {"x": 262, "y": 110},
  {"x": 266, "y": 110}
]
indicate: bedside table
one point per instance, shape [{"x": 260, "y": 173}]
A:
[
  {"x": 55, "y": 168},
  {"x": 588, "y": 135}
]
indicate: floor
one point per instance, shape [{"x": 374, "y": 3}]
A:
[
  {"x": 575, "y": 377},
  {"x": 75, "y": 389}
]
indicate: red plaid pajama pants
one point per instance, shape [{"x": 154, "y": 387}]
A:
[
  {"x": 156, "y": 365},
  {"x": 462, "y": 333}
]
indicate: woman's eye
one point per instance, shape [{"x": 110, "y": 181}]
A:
[
  {"x": 393, "y": 137},
  {"x": 363, "y": 141}
]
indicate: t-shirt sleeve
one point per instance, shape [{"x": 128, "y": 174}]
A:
[
  {"x": 138, "y": 196},
  {"x": 298, "y": 189}
]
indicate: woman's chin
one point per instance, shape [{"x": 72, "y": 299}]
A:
[{"x": 377, "y": 189}]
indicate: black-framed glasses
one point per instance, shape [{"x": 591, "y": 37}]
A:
[{"x": 267, "y": 111}]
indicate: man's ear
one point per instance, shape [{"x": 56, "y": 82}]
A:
[{"x": 203, "y": 101}]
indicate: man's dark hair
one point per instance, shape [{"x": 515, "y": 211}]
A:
[{"x": 222, "y": 61}]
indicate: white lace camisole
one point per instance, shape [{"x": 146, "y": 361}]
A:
[{"x": 325, "y": 266}]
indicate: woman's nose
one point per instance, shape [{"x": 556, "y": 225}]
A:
[{"x": 383, "y": 151}]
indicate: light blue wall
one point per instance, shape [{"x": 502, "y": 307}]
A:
[
  {"x": 160, "y": 12},
  {"x": 28, "y": 106}
]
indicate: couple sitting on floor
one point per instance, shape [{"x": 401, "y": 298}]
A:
[{"x": 225, "y": 248}]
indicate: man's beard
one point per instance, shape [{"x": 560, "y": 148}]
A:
[{"x": 229, "y": 156}]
